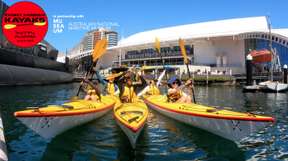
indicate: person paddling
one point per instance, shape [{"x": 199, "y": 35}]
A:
[
  {"x": 151, "y": 89},
  {"x": 128, "y": 88},
  {"x": 92, "y": 91},
  {"x": 176, "y": 92},
  {"x": 111, "y": 87}
]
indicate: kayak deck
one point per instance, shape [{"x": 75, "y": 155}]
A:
[
  {"x": 204, "y": 111},
  {"x": 76, "y": 107},
  {"x": 132, "y": 115}
]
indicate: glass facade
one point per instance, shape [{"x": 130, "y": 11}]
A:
[
  {"x": 277, "y": 43},
  {"x": 151, "y": 53},
  {"x": 149, "y": 57}
]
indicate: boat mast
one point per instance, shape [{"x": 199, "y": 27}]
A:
[{"x": 270, "y": 48}]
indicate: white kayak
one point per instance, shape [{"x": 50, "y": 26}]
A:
[
  {"x": 131, "y": 118},
  {"x": 225, "y": 123},
  {"x": 54, "y": 119}
]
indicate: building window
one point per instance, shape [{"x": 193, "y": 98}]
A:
[{"x": 262, "y": 36}]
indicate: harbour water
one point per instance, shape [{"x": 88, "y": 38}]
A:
[{"x": 162, "y": 138}]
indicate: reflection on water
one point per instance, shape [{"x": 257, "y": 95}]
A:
[{"x": 162, "y": 137}]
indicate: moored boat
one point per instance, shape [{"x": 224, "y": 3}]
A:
[
  {"x": 54, "y": 119},
  {"x": 228, "y": 124},
  {"x": 131, "y": 117},
  {"x": 274, "y": 86}
]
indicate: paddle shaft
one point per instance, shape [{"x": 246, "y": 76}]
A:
[
  {"x": 86, "y": 75},
  {"x": 193, "y": 93},
  {"x": 166, "y": 77}
]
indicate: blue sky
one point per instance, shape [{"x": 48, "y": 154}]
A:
[{"x": 134, "y": 16}]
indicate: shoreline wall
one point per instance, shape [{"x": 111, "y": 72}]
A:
[{"x": 11, "y": 75}]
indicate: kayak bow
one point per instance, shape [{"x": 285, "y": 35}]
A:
[
  {"x": 131, "y": 117},
  {"x": 225, "y": 123},
  {"x": 54, "y": 119}
]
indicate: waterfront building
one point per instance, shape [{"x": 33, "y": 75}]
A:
[
  {"x": 215, "y": 46},
  {"x": 86, "y": 45},
  {"x": 79, "y": 55}
]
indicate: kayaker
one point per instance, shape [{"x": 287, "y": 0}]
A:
[
  {"x": 129, "y": 88},
  {"x": 109, "y": 83},
  {"x": 128, "y": 95},
  {"x": 111, "y": 87},
  {"x": 175, "y": 92},
  {"x": 151, "y": 89},
  {"x": 93, "y": 92}
]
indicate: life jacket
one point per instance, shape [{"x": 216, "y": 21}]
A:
[
  {"x": 153, "y": 90},
  {"x": 173, "y": 97},
  {"x": 129, "y": 94},
  {"x": 110, "y": 88}
]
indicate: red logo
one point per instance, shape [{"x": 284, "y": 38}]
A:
[{"x": 24, "y": 24}]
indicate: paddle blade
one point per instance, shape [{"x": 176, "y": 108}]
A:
[
  {"x": 99, "y": 49},
  {"x": 157, "y": 45},
  {"x": 9, "y": 26},
  {"x": 39, "y": 23},
  {"x": 183, "y": 50}
]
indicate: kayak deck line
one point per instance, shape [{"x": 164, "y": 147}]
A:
[
  {"x": 133, "y": 129},
  {"x": 49, "y": 122},
  {"x": 216, "y": 111},
  {"x": 120, "y": 116},
  {"x": 80, "y": 107},
  {"x": 56, "y": 113},
  {"x": 216, "y": 115},
  {"x": 219, "y": 122},
  {"x": 131, "y": 118}
]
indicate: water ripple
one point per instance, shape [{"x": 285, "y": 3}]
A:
[{"x": 162, "y": 138}]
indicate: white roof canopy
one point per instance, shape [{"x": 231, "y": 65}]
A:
[{"x": 227, "y": 27}]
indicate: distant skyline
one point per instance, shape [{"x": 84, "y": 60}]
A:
[{"x": 129, "y": 16}]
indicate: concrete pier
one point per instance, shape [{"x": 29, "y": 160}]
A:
[
  {"x": 18, "y": 75},
  {"x": 3, "y": 148}
]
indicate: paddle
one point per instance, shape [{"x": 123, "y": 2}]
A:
[
  {"x": 183, "y": 51},
  {"x": 157, "y": 48},
  {"x": 157, "y": 84},
  {"x": 99, "y": 50}
]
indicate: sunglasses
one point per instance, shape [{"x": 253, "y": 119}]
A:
[{"x": 174, "y": 83}]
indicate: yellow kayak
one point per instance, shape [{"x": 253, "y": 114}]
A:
[
  {"x": 225, "y": 123},
  {"x": 54, "y": 119},
  {"x": 131, "y": 117}
]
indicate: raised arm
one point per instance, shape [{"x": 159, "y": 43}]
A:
[{"x": 100, "y": 78}]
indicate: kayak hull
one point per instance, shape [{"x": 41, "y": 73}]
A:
[
  {"x": 229, "y": 128},
  {"x": 131, "y": 135},
  {"x": 132, "y": 129},
  {"x": 49, "y": 127},
  {"x": 54, "y": 119}
]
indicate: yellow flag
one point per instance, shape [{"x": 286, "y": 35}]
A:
[
  {"x": 99, "y": 49},
  {"x": 157, "y": 45},
  {"x": 183, "y": 50}
]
